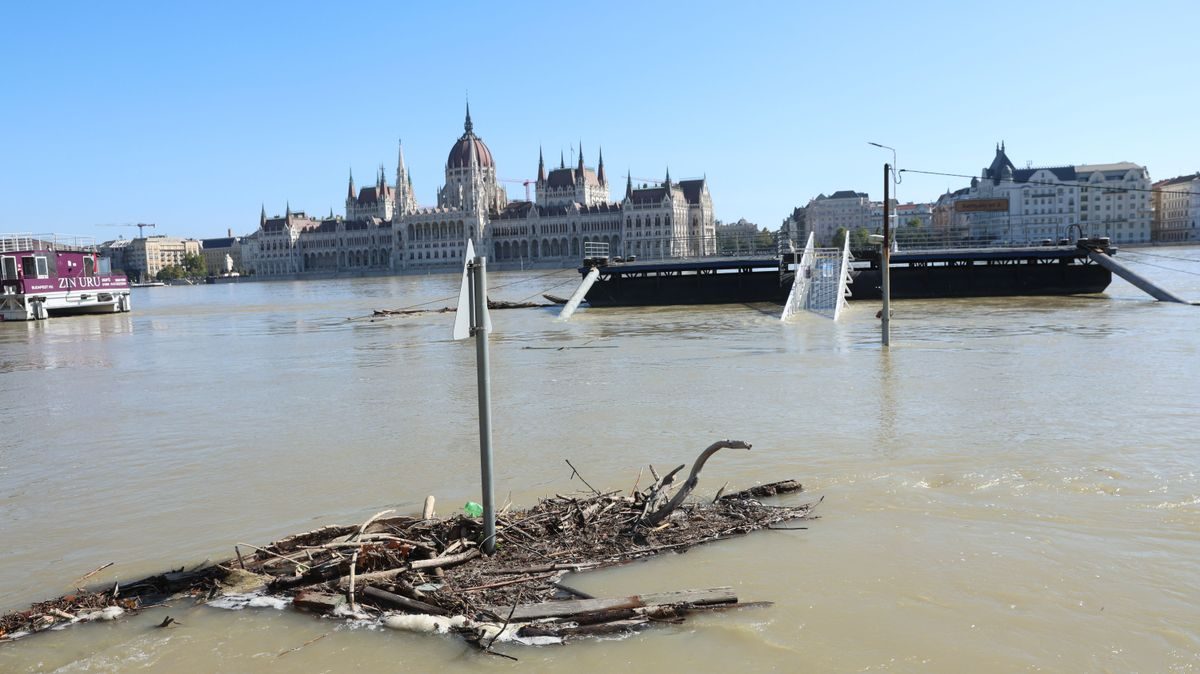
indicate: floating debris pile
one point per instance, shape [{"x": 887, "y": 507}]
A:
[{"x": 429, "y": 574}]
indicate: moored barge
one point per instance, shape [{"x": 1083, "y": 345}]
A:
[
  {"x": 1062, "y": 269},
  {"x": 47, "y": 274}
]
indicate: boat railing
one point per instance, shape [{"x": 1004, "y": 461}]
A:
[
  {"x": 722, "y": 246},
  {"x": 11, "y": 243}
]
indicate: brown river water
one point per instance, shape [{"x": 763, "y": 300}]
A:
[{"x": 1014, "y": 486}]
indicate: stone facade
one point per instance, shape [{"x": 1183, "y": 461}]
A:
[
  {"x": 222, "y": 255},
  {"x": 1177, "y": 209},
  {"x": 384, "y": 228},
  {"x": 845, "y": 209},
  {"x": 1047, "y": 203},
  {"x": 143, "y": 258}
]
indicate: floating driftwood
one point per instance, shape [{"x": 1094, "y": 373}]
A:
[
  {"x": 424, "y": 573},
  {"x": 492, "y": 304}
]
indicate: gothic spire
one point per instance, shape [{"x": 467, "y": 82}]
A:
[
  {"x": 541, "y": 166},
  {"x": 288, "y": 213},
  {"x": 350, "y": 189},
  {"x": 468, "y": 127},
  {"x": 600, "y": 169},
  {"x": 400, "y": 158},
  {"x": 562, "y": 162},
  {"x": 581, "y": 158},
  {"x": 628, "y": 184},
  {"x": 262, "y": 216},
  {"x": 668, "y": 181}
]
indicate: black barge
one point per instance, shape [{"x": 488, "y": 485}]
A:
[{"x": 1062, "y": 269}]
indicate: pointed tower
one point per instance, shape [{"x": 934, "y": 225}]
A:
[
  {"x": 541, "y": 167},
  {"x": 468, "y": 127},
  {"x": 262, "y": 217},
  {"x": 351, "y": 202},
  {"x": 600, "y": 170},
  {"x": 628, "y": 184},
  {"x": 562, "y": 162},
  {"x": 288, "y": 213},
  {"x": 406, "y": 202},
  {"x": 667, "y": 182}
]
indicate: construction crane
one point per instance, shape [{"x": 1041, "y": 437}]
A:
[
  {"x": 140, "y": 225},
  {"x": 520, "y": 181}
]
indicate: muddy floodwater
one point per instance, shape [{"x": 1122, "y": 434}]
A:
[{"x": 1014, "y": 486}]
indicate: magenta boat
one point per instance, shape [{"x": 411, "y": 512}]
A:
[{"x": 43, "y": 275}]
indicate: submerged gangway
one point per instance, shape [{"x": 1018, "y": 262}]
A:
[{"x": 821, "y": 283}]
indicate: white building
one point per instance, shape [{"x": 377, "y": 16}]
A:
[
  {"x": 906, "y": 213},
  {"x": 384, "y": 228},
  {"x": 1177, "y": 209},
  {"x": 1007, "y": 204},
  {"x": 1114, "y": 201},
  {"x": 845, "y": 209}
]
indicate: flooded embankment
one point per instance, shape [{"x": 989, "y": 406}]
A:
[{"x": 1013, "y": 487}]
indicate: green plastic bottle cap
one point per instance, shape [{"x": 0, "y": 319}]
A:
[{"x": 473, "y": 509}]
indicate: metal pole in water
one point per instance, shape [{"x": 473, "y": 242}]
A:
[
  {"x": 484, "y": 372},
  {"x": 886, "y": 262}
]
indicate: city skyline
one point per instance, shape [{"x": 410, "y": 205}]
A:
[{"x": 194, "y": 118}]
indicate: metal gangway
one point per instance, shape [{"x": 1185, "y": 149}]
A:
[{"x": 821, "y": 282}]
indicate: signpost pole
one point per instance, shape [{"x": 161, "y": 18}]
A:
[
  {"x": 479, "y": 325},
  {"x": 886, "y": 262}
]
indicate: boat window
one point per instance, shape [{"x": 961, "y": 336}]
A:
[
  {"x": 28, "y": 267},
  {"x": 42, "y": 270},
  {"x": 8, "y": 269},
  {"x": 89, "y": 266}
]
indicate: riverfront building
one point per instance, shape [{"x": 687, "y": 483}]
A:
[
  {"x": 844, "y": 209},
  {"x": 142, "y": 258},
  {"x": 385, "y": 229},
  {"x": 1007, "y": 204},
  {"x": 1177, "y": 209},
  {"x": 222, "y": 255}
]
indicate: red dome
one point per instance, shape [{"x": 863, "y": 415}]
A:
[{"x": 460, "y": 154}]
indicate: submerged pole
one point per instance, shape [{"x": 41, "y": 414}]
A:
[
  {"x": 1102, "y": 259},
  {"x": 484, "y": 371},
  {"x": 886, "y": 262}
]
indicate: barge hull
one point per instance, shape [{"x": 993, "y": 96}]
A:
[{"x": 983, "y": 281}]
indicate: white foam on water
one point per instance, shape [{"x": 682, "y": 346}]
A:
[{"x": 237, "y": 602}]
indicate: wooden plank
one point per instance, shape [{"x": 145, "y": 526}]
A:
[{"x": 553, "y": 609}]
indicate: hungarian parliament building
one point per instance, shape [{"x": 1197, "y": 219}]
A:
[{"x": 384, "y": 228}]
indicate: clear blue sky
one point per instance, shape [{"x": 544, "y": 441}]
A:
[{"x": 191, "y": 115}]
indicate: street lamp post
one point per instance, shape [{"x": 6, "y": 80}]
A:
[{"x": 885, "y": 261}]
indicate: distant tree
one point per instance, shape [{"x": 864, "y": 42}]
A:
[
  {"x": 765, "y": 240},
  {"x": 858, "y": 239},
  {"x": 170, "y": 273},
  {"x": 839, "y": 237},
  {"x": 194, "y": 265}
]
